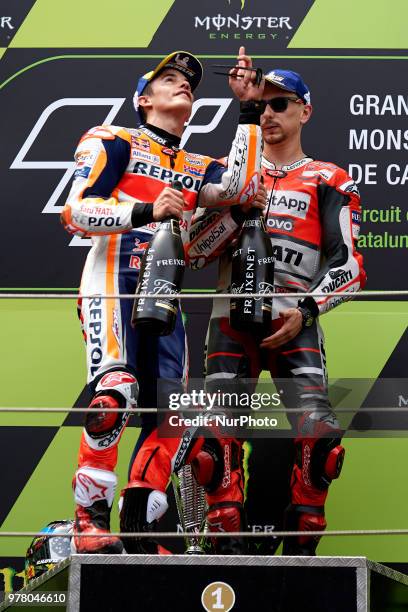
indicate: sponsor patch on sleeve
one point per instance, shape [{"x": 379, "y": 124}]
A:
[
  {"x": 355, "y": 217},
  {"x": 82, "y": 172},
  {"x": 349, "y": 187},
  {"x": 85, "y": 157}
]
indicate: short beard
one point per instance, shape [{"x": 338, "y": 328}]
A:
[{"x": 272, "y": 139}]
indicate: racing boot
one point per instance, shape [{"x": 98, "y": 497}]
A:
[
  {"x": 94, "y": 490},
  {"x": 319, "y": 459},
  {"x": 141, "y": 507},
  {"x": 218, "y": 468}
]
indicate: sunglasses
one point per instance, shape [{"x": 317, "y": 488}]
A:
[{"x": 281, "y": 103}]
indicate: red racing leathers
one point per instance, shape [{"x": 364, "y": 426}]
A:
[
  {"x": 313, "y": 222},
  {"x": 119, "y": 173}
]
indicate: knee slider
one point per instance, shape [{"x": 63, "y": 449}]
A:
[
  {"x": 99, "y": 424},
  {"x": 207, "y": 467},
  {"x": 322, "y": 459},
  {"x": 114, "y": 390},
  {"x": 214, "y": 463}
]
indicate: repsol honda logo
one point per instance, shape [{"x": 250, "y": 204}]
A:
[{"x": 340, "y": 279}]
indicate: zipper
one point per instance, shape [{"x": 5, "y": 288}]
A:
[{"x": 277, "y": 175}]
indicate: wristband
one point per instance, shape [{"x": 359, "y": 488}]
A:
[
  {"x": 251, "y": 111},
  {"x": 309, "y": 311},
  {"x": 142, "y": 213}
]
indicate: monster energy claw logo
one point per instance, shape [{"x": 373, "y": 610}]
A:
[{"x": 242, "y": 3}]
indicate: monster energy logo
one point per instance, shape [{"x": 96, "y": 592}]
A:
[
  {"x": 8, "y": 576},
  {"x": 270, "y": 24}
]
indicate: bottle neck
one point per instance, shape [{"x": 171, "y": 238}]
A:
[{"x": 254, "y": 213}]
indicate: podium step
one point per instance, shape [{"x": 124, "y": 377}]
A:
[{"x": 186, "y": 583}]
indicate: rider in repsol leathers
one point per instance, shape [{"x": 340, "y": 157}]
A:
[
  {"x": 313, "y": 219},
  {"x": 119, "y": 194}
]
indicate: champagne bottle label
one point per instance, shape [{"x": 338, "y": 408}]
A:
[
  {"x": 159, "y": 277},
  {"x": 253, "y": 223},
  {"x": 161, "y": 274},
  {"x": 171, "y": 225},
  {"x": 252, "y": 272}
]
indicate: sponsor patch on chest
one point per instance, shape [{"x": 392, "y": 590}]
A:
[
  {"x": 167, "y": 175},
  {"x": 293, "y": 203},
  {"x": 140, "y": 143},
  {"x": 145, "y": 155}
]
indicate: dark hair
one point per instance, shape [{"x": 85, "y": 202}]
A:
[{"x": 148, "y": 90}]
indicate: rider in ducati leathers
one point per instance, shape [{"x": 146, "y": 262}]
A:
[
  {"x": 313, "y": 217},
  {"x": 119, "y": 193}
]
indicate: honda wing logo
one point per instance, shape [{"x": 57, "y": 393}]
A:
[{"x": 53, "y": 205}]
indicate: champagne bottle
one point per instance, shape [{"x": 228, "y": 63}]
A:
[
  {"x": 161, "y": 273},
  {"x": 252, "y": 272}
]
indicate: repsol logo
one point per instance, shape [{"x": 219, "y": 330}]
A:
[
  {"x": 280, "y": 223},
  {"x": 206, "y": 243},
  {"x": 94, "y": 340},
  {"x": 341, "y": 280},
  {"x": 291, "y": 203},
  {"x": 166, "y": 175},
  {"x": 104, "y": 222},
  {"x": 287, "y": 255}
]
